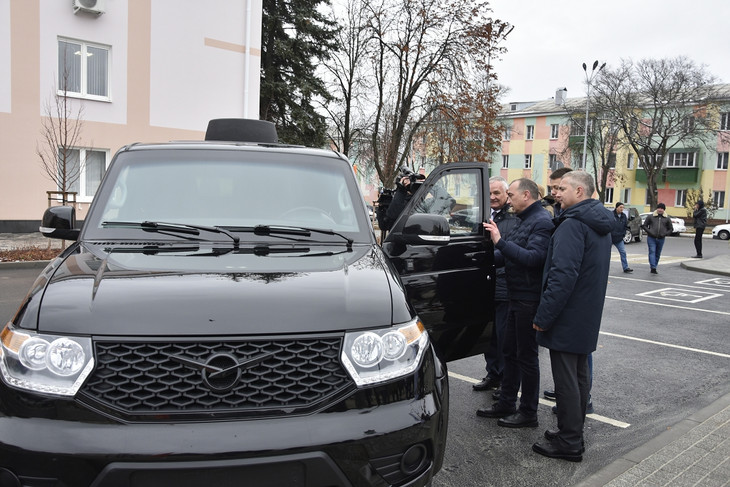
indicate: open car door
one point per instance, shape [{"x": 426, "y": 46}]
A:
[{"x": 445, "y": 262}]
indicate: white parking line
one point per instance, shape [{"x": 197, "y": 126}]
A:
[
  {"x": 670, "y": 345},
  {"x": 725, "y": 313},
  {"x": 597, "y": 417}
]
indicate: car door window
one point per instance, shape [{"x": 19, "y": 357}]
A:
[{"x": 454, "y": 195}]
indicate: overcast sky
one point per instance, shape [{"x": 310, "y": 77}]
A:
[{"x": 551, "y": 40}]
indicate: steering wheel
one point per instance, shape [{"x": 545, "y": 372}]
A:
[{"x": 308, "y": 213}]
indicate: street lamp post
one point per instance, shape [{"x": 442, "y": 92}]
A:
[{"x": 589, "y": 80}]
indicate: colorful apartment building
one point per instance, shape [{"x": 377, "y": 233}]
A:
[
  {"x": 140, "y": 71},
  {"x": 539, "y": 138}
]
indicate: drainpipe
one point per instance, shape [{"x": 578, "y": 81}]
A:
[{"x": 247, "y": 60}]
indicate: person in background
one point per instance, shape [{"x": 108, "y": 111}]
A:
[
  {"x": 522, "y": 254},
  {"x": 568, "y": 317},
  {"x": 700, "y": 222},
  {"x": 621, "y": 224},
  {"x": 657, "y": 226},
  {"x": 505, "y": 219}
]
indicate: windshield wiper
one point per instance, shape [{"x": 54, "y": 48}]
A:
[
  {"x": 276, "y": 230},
  {"x": 183, "y": 228}
]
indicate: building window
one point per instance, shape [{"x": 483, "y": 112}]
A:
[
  {"x": 681, "y": 159},
  {"x": 721, "y": 160},
  {"x": 578, "y": 160},
  {"x": 505, "y": 162},
  {"x": 528, "y": 161},
  {"x": 681, "y": 198},
  {"x": 630, "y": 162},
  {"x": 725, "y": 121},
  {"x": 612, "y": 160},
  {"x": 85, "y": 168},
  {"x": 688, "y": 124},
  {"x": 554, "y": 131},
  {"x": 608, "y": 195},
  {"x": 507, "y": 133},
  {"x": 627, "y": 195},
  {"x": 530, "y": 132},
  {"x": 83, "y": 69},
  {"x": 718, "y": 198},
  {"x": 554, "y": 162},
  {"x": 646, "y": 200}
]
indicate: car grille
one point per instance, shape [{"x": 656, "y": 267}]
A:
[{"x": 153, "y": 380}]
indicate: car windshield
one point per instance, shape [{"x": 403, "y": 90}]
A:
[{"x": 229, "y": 193}]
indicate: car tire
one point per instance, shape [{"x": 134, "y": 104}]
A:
[
  {"x": 628, "y": 237},
  {"x": 723, "y": 235}
]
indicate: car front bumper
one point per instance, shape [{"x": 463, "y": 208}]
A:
[{"x": 374, "y": 437}]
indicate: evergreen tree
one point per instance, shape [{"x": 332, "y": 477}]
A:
[{"x": 295, "y": 37}]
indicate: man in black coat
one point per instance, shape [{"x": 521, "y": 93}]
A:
[
  {"x": 523, "y": 254},
  {"x": 700, "y": 219},
  {"x": 569, "y": 315},
  {"x": 621, "y": 224}
]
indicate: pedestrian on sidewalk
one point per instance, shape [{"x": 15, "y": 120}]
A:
[
  {"x": 621, "y": 224},
  {"x": 657, "y": 226},
  {"x": 700, "y": 222},
  {"x": 568, "y": 317}
]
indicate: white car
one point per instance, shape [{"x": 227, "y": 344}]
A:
[
  {"x": 677, "y": 223},
  {"x": 721, "y": 231}
]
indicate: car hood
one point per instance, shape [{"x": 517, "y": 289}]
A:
[{"x": 132, "y": 291}]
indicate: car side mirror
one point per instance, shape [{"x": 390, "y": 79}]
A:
[
  {"x": 59, "y": 222},
  {"x": 424, "y": 228}
]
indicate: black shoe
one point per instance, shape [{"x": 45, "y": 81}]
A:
[
  {"x": 550, "y": 450},
  {"x": 653, "y": 271},
  {"x": 552, "y": 435},
  {"x": 698, "y": 256},
  {"x": 628, "y": 270},
  {"x": 487, "y": 384},
  {"x": 549, "y": 395},
  {"x": 518, "y": 420},
  {"x": 589, "y": 408},
  {"x": 495, "y": 411},
  {"x": 555, "y": 409}
]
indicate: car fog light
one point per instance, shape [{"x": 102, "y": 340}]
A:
[
  {"x": 33, "y": 353},
  {"x": 65, "y": 357},
  {"x": 367, "y": 350}
]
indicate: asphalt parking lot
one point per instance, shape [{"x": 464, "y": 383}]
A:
[{"x": 664, "y": 354}]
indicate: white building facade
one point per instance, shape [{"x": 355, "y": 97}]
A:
[{"x": 139, "y": 70}]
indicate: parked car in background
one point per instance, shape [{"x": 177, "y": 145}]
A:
[
  {"x": 721, "y": 231},
  {"x": 633, "y": 233},
  {"x": 677, "y": 223}
]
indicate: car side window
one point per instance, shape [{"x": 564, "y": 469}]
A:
[{"x": 455, "y": 196}]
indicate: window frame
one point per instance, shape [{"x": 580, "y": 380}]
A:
[
  {"x": 630, "y": 161},
  {"x": 627, "y": 195},
  {"x": 680, "y": 198},
  {"x": 608, "y": 195},
  {"x": 684, "y": 159},
  {"x": 554, "y": 131},
  {"x": 505, "y": 161},
  {"x": 718, "y": 198},
  {"x": 528, "y": 161},
  {"x": 725, "y": 121},
  {"x": 507, "y": 136},
  {"x": 722, "y": 161},
  {"x": 82, "y": 194},
  {"x": 83, "y": 70},
  {"x": 529, "y": 132}
]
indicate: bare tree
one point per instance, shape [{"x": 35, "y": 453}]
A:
[
  {"x": 658, "y": 105},
  {"x": 424, "y": 59},
  {"x": 60, "y": 133},
  {"x": 346, "y": 70}
]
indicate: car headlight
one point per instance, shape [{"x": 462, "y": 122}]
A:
[
  {"x": 48, "y": 364},
  {"x": 380, "y": 355}
]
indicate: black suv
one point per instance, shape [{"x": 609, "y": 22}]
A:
[{"x": 226, "y": 317}]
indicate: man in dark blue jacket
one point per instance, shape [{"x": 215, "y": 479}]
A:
[
  {"x": 523, "y": 255},
  {"x": 569, "y": 315}
]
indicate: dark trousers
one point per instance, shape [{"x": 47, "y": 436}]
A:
[
  {"x": 494, "y": 355},
  {"x": 698, "y": 240},
  {"x": 521, "y": 363},
  {"x": 572, "y": 388}
]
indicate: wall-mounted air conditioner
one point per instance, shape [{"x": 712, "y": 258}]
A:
[{"x": 90, "y": 6}]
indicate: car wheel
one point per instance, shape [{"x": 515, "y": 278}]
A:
[
  {"x": 628, "y": 237},
  {"x": 723, "y": 235}
]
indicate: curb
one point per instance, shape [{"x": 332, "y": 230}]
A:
[
  {"x": 635, "y": 456},
  {"x": 24, "y": 264}
]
